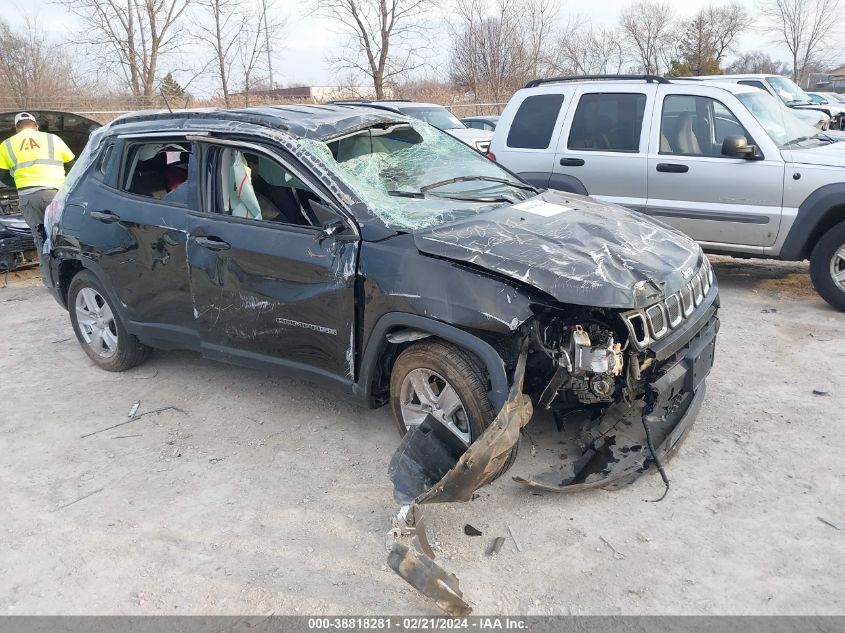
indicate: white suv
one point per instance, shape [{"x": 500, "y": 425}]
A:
[
  {"x": 723, "y": 162},
  {"x": 790, "y": 94}
]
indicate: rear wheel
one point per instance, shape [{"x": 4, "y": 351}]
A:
[
  {"x": 98, "y": 326},
  {"x": 827, "y": 266},
  {"x": 441, "y": 380}
]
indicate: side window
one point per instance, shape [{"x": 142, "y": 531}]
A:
[
  {"x": 752, "y": 82},
  {"x": 158, "y": 170},
  {"x": 476, "y": 125},
  {"x": 534, "y": 122},
  {"x": 104, "y": 159},
  {"x": 609, "y": 122},
  {"x": 257, "y": 187},
  {"x": 696, "y": 126}
]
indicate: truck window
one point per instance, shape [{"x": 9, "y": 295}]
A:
[
  {"x": 609, "y": 122},
  {"x": 534, "y": 122},
  {"x": 753, "y": 83},
  {"x": 696, "y": 126}
]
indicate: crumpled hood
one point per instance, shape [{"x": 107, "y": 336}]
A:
[{"x": 574, "y": 248}]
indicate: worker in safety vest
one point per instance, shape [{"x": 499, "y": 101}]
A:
[{"x": 36, "y": 160}]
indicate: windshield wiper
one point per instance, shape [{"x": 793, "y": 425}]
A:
[
  {"x": 800, "y": 139},
  {"x": 511, "y": 183},
  {"x": 449, "y": 196}
]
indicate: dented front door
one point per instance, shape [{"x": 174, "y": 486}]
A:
[{"x": 273, "y": 292}]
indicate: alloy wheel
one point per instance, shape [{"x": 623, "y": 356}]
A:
[
  {"x": 96, "y": 322},
  {"x": 837, "y": 268},
  {"x": 425, "y": 392}
]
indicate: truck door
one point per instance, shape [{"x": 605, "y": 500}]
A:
[
  {"x": 692, "y": 186},
  {"x": 604, "y": 142}
]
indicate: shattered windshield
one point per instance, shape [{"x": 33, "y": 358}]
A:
[
  {"x": 438, "y": 117},
  {"x": 413, "y": 176}
]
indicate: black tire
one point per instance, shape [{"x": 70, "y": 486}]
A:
[
  {"x": 129, "y": 351},
  {"x": 461, "y": 370},
  {"x": 820, "y": 266}
]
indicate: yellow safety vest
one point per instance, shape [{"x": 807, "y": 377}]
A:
[{"x": 35, "y": 159}]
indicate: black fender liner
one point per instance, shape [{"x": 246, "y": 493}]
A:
[
  {"x": 812, "y": 220},
  {"x": 378, "y": 342}
]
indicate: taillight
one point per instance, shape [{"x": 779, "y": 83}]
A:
[{"x": 490, "y": 155}]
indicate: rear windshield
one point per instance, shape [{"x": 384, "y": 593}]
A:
[
  {"x": 393, "y": 169},
  {"x": 534, "y": 122}
]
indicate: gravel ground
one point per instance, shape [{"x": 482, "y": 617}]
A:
[{"x": 258, "y": 493}]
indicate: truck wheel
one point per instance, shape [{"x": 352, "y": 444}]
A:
[
  {"x": 440, "y": 379},
  {"x": 827, "y": 266},
  {"x": 98, "y": 327}
]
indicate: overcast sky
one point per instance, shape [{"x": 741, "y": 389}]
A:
[{"x": 308, "y": 41}]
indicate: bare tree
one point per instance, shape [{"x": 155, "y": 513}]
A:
[
  {"x": 707, "y": 37},
  {"x": 384, "y": 36},
  {"x": 497, "y": 48},
  {"x": 218, "y": 27},
  {"x": 589, "y": 50},
  {"x": 758, "y": 62},
  {"x": 805, "y": 27},
  {"x": 253, "y": 44},
  {"x": 33, "y": 68},
  {"x": 648, "y": 27},
  {"x": 130, "y": 36}
]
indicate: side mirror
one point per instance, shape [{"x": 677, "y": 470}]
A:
[{"x": 737, "y": 146}]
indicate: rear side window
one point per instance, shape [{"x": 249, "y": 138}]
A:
[
  {"x": 534, "y": 122},
  {"x": 609, "y": 122},
  {"x": 158, "y": 170}
]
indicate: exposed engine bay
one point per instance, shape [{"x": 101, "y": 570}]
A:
[{"x": 627, "y": 408}]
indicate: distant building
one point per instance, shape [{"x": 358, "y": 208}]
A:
[
  {"x": 835, "y": 80},
  {"x": 321, "y": 94}
]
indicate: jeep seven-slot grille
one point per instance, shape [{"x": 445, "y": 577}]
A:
[{"x": 656, "y": 321}]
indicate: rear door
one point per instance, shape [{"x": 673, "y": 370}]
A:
[
  {"x": 134, "y": 226},
  {"x": 269, "y": 285},
  {"x": 692, "y": 186},
  {"x": 604, "y": 142}
]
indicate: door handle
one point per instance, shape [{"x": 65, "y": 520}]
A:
[
  {"x": 212, "y": 243},
  {"x": 104, "y": 216},
  {"x": 571, "y": 162},
  {"x": 672, "y": 168}
]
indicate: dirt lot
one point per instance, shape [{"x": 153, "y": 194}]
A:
[{"x": 261, "y": 493}]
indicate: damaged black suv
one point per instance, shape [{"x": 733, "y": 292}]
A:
[{"x": 376, "y": 253}]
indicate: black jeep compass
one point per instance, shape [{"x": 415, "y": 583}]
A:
[{"x": 380, "y": 255}]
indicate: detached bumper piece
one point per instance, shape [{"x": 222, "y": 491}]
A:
[
  {"x": 616, "y": 450},
  {"x": 428, "y": 467}
]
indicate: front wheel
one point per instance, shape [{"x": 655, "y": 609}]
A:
[
  {"x": 98, "y": 327},
  {"x": 438, "y": 379},
  {"x": 827, "y": 266}
]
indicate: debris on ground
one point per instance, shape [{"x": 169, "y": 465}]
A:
[
  {"x": 515, "y": 541},
  {"x": 616, "y": 553},
  {"x": 496, "y": 545},
  {"x": 134, "y": 409},
  {"x": 432, "y": 466},
  {"x": 820, "y": 391},
  {"x": 137, "y": 416},
  {"x": 83, "y": 497},
  {"x": 471, "y": 531},
  {"x": 834, "y": 525}
]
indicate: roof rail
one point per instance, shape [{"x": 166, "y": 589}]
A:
[{"x": 553, "y": 80}]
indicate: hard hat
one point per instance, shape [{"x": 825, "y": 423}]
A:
[{"x": 24, "y": 116}]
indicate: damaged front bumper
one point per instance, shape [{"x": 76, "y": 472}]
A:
[{"x": 619, "y": 443}]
